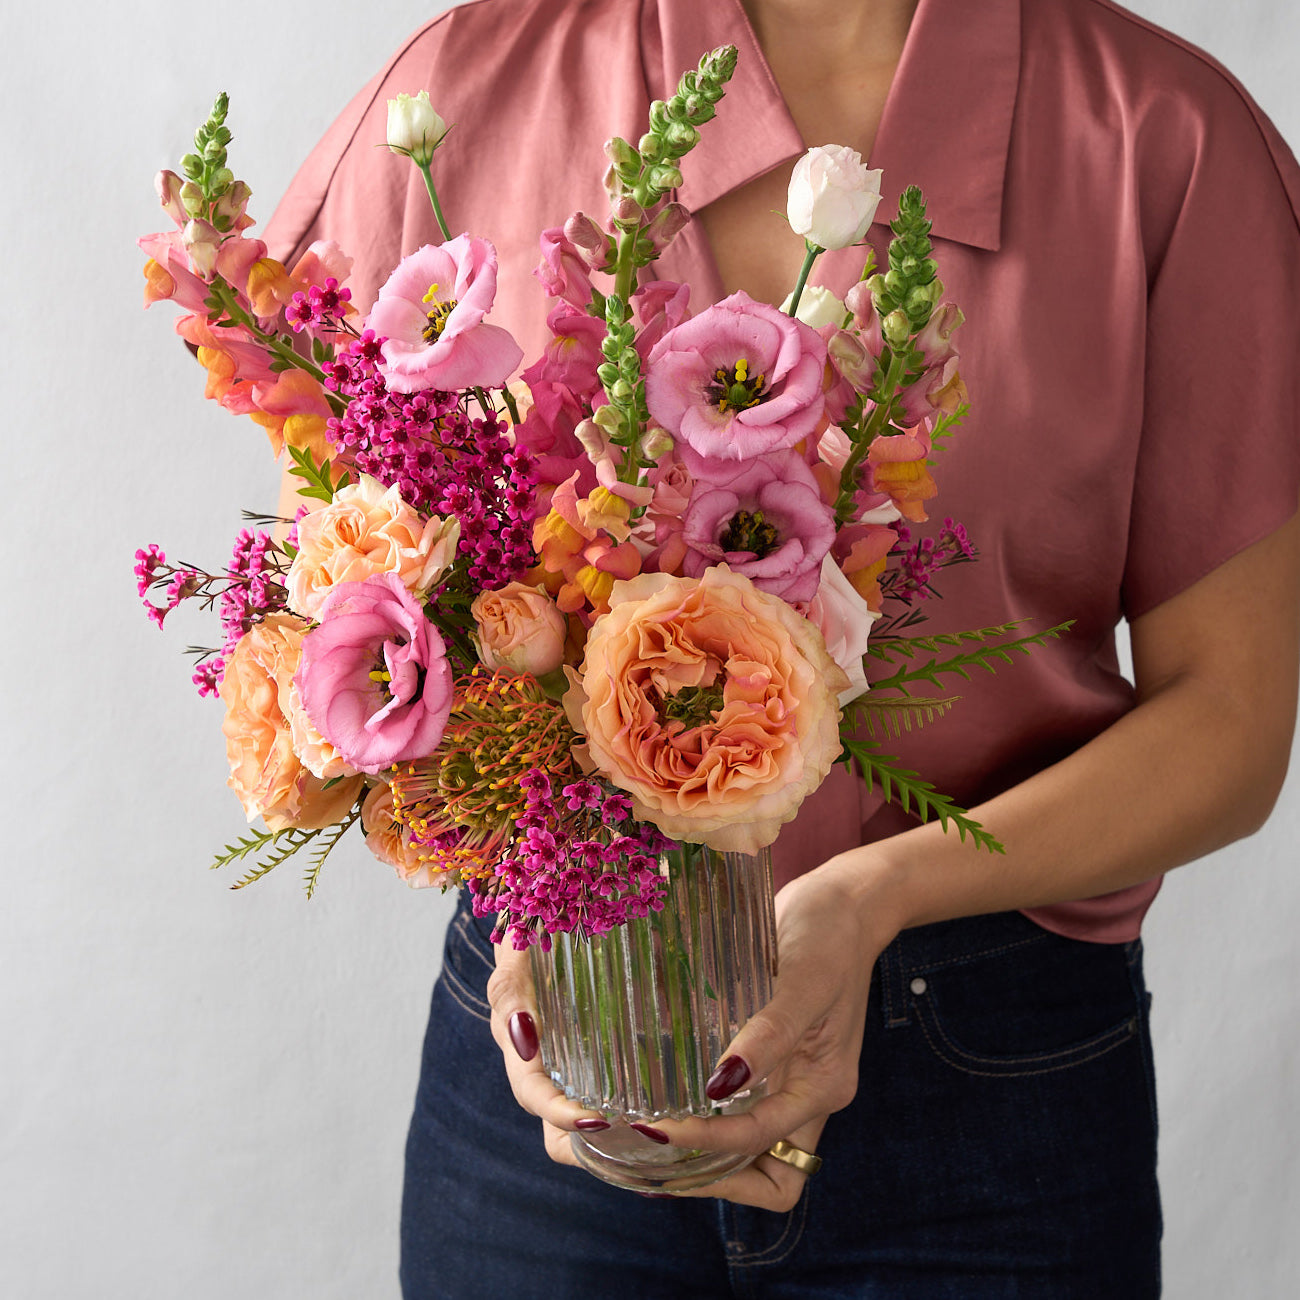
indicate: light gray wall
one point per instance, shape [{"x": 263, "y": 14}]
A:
[{"x": 204, "y": 1093}]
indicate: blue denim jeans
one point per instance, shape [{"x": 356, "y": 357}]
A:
[{"x": 1002, "y": 1144}]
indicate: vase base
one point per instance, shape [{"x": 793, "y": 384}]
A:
[{"x": 626, "y": 1159}]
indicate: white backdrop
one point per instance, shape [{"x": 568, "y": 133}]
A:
[{"x": 204, "y": 1093}]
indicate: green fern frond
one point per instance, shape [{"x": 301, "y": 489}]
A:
[
  {"x": 893, "y": 715},
  {"x": 890, "y": 648},
  {"x": 287, "y": 843},
  {"x": 323, "y": 850},
  {"x": 985, "y": 656},
  {"x": 912, "y": 794},
  {"x": 254, "y": 842}
]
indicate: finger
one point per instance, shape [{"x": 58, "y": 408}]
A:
[{"x": 768, "y": 1183}]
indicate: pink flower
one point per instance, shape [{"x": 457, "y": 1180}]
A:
[
  {"x": 430, "y": 315},
  {"x": 737, "y": 381},
  {"x": 711, "y": 703},
  {"x": 563, "y": 272},
  {"x": 519, "y": 628},
  {"x": 766, "y": 518},
  {"x": 839, "y": 612},
  {"x": 373, "y": 677}
]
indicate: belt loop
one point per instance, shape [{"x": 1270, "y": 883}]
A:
[{"x": 893, "y": 995}]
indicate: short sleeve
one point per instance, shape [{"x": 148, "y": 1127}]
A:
[{"x": 1218, "y": 464}]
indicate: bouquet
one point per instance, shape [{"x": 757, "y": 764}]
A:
[{"x": 536, "y": 633}]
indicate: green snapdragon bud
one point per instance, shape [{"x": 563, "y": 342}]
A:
[{"x": 910, "y": 285}]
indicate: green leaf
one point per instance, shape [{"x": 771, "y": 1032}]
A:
[
  {"x": 287, "y": 843},
  {"x": 987, "y": 653},
  {"x": 909, "y": 792},
  {"x": 324, "y": 849},
  {"x": 894, "y": 715}
]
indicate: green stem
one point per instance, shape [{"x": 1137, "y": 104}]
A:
[
  {"x": 509, "y": 399},
  {"x": 811, "y": 254},
  {"x": 625, "y": 266},
  {"x": 862, "y": 443},
  {"x": 433, "y": 198}
]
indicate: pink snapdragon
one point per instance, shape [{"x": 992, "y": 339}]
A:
[
  {"x": 430, "y": 315},
  {"x": 374, "y": 678},
  {"x": 766, "y": 518},
  {"x": 737, "y": 381}
]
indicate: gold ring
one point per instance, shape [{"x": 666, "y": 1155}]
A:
[{"x": 804, "y": 1161}]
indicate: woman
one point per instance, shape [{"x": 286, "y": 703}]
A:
[{"x": 962, "y": 1038}]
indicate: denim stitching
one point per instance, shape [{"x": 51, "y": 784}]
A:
[
  {"x": 1064, "y": 1059},
  {"x": 762, "y": 1256},
  {"x": 461, "y": 924},
  {"x": 464, "y": 996},
  {"x": 968, "y": 957}
]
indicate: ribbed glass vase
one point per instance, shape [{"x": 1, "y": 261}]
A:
[{"x": 634, "y": 1022}]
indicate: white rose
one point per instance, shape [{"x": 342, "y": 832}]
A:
[
  {"x": 414, "y": 129},
  {"x": 833, "y": 197}
]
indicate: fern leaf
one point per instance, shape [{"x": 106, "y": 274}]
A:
[
  {"x": 896, "y": 714},
  {"x": 251, "y": 843},
  {"x": 890, "y": 648},
  {"x": 912, "y": 794},
  {"x": 985, "y": 655},
  {"x": 323, "y": 850},
  {"x": 287, "y": 843}
]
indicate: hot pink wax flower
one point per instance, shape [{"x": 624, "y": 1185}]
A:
[
  {"x": 738, "y": 380},
  {"x": 374, "y": 678},
  {"x": 430, "y": 315},
  {"x": 765, "y": 518}
]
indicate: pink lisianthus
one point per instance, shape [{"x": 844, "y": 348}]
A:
[
  {"x": 374, "y": 677},
  {"x": 737, "y": 381},
  {"x": 766, "y": 518},
  {"x": 713, "y": 704},
  {"x": 430, "y": 315},
  {"x": 841, "y": 614}
]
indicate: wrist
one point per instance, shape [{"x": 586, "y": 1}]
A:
[{"x": 875, "y": 883}]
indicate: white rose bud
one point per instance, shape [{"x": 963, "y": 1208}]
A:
[
  {"x": 414, "y": 129},
  {"x": 833, "y": 197}
]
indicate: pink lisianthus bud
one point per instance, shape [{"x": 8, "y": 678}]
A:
[
  {"x": 374, "y": 677},
  {"x": 738, "y": 380},
  {"x": 765, "y": 518},
  {"x": 430, "y": 315},
  {"x": 833, "y": 196}
]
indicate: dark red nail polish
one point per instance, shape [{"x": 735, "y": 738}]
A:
[
  {"x": 591, "y": 1125},
  {"x": 654, "y": 1134},
  {"x": 523, "y": 1034},
  {"x": 731, "y": 1073}
]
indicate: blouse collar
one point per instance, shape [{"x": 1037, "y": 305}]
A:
[{"x": 946, "y": 125}]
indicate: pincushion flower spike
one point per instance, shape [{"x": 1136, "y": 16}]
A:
[{"x": 430, "y": 315}]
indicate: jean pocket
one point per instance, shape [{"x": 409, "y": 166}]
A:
[
  {"x": 467, "y": 962},
  {"x": 1043, "y": 1007}
]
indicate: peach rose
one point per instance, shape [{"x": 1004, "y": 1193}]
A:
[
  {"x": 265, "y": 772},
  {"x": 367, "y": 529},
  {"x": 519, "y": 628},
  {"x": 315, "y": 753},
  {"x": 713, "y": 704},
  {"x": 390, "y": 842}
]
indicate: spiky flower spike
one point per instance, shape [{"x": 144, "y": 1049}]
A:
[
  {"x": 906, "y": 294},
  {"x": 462, "y": 802}
]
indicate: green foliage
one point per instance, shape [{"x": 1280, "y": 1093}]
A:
[
  {"x": 912, "y": 794},
  {"x": 987, "y": 653},
  {"x": 323, "y": 850},
  {"x": 320, "y": 483},
  {"x": 282, "y": 844},
  {"x": 895, "y": 714}
]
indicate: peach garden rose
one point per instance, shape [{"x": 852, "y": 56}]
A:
[
  {"x": 713, "y": 704},
  {"x": 367, "y": 529},
  {"x": 265, "y": 771},
  {"x": 519, "y": 628}
]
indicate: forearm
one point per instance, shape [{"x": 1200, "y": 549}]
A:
[{"x": 1197, "y": 764}]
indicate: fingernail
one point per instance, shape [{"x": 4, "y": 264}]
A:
[
  {"x": 654, "y": 1134},
  {"x": 591, "y": 1125},
  {"x": 523, "y": 1034},
  {"x": 727, "y": 1078}
]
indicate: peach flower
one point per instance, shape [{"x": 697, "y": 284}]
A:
[
  {"x": 713, "y": 704},
  {"x": 367, "y": 529},
  {"x": 265, "y": 772},
  {"x": 519, "y": 628},
  {"x": 314, "y": 752},
  {"x": 391, "y": 842}
]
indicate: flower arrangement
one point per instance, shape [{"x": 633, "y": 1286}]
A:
[{"x": 536, "y": 633}]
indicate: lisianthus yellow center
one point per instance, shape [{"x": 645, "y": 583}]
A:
[
  {"x": 735, "y": 389},
  {"x": 750, "y": 531},
  {"x": 437, "y": 315}
]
